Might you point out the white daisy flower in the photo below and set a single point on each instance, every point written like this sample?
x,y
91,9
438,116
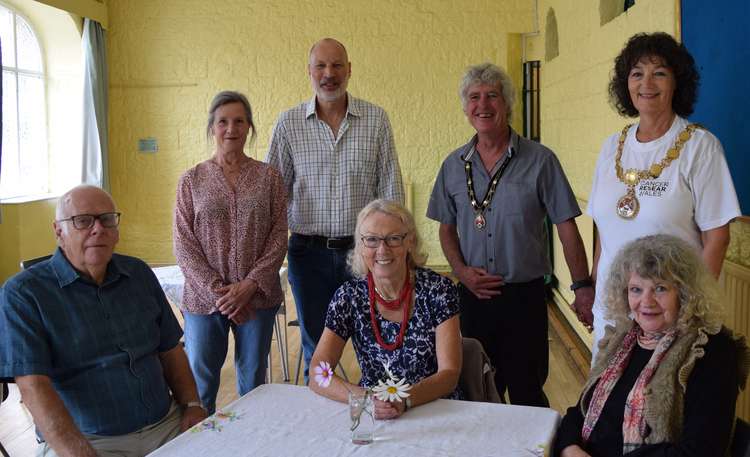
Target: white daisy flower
x,y
391,390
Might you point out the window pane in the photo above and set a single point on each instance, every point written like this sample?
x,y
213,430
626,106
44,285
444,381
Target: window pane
x,y
31,132
9,183
29,54
6,36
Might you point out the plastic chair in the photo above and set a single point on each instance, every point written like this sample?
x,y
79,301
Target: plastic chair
x,y
3,395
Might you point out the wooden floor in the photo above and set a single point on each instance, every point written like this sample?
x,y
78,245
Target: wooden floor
x,y
566,376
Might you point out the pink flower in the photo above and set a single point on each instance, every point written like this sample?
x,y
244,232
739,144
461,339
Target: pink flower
x,y
323,374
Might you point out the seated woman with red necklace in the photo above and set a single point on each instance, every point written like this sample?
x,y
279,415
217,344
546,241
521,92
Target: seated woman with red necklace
x,y
397,313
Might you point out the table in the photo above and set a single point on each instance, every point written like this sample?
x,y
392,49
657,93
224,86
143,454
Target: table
x,y
172,281
286,420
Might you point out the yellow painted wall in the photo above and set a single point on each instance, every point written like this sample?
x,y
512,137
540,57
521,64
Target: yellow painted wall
x,y
739,247
25,233
575,114
168,58
8,242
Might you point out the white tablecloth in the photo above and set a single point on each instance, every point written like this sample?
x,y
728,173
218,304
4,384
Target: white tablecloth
x,y
172,282
285,420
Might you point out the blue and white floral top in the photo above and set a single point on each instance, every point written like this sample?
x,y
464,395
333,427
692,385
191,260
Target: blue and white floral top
x,y
349,317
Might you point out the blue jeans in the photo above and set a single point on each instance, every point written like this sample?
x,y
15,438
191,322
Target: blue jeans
x,y
314,274
206,339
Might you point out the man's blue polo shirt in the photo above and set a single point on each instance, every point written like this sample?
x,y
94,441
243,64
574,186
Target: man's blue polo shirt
x,y
99,345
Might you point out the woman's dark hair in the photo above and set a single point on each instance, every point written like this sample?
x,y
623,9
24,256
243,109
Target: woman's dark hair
x,y
675,56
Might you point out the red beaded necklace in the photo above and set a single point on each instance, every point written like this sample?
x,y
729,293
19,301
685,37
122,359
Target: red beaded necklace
x,y
403,300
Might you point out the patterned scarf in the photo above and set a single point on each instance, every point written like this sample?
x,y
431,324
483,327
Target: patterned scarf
x,y
633,424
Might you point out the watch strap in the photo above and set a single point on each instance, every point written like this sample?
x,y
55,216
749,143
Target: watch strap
x,y
586,282
191,404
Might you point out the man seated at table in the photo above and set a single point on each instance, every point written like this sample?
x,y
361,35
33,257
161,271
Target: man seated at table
x,y
92,342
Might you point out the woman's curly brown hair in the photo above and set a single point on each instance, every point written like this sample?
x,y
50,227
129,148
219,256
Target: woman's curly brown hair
x,y
675,56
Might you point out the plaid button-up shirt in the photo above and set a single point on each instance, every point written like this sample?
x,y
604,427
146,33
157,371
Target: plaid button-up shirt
x,y
328,178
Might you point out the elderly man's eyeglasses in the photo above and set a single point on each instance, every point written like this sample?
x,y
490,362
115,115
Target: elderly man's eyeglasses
x,y
392,241
86,221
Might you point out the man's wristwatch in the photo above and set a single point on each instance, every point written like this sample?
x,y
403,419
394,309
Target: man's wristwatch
x,y
586,282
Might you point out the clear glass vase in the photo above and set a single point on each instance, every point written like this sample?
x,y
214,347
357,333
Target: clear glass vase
x,y
361,413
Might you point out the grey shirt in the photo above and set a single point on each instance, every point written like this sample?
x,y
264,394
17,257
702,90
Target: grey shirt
x,y
514,242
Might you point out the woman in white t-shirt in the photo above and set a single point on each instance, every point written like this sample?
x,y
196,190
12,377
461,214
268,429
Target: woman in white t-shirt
x,y
661,174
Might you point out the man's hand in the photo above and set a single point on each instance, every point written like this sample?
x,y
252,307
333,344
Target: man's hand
x,y
583,305
236,300
479,282
191,416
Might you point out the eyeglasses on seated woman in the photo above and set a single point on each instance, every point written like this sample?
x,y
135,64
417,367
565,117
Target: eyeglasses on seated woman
x,y
401,317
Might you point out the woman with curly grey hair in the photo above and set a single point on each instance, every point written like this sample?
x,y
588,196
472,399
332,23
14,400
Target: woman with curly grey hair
x,y
400,316
667,375
662,174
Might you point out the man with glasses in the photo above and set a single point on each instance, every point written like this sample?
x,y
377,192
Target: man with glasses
x,y
336,154
92,342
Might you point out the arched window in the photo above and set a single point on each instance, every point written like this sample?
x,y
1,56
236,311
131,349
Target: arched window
x,y
24,148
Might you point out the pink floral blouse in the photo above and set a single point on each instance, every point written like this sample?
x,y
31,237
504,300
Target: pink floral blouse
x,y
222,236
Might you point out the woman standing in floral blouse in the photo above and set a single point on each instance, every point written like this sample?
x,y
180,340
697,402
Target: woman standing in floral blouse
x,y
230,241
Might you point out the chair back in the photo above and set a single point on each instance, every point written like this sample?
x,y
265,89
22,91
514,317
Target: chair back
x,y
27,263
477,380
741,440
3,396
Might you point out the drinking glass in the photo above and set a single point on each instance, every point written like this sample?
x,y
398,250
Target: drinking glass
x,y
361,413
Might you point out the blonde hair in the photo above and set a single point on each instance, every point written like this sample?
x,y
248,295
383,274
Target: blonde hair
x,y
666,258
414,258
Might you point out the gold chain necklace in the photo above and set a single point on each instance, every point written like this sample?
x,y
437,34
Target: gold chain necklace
x,y
628,205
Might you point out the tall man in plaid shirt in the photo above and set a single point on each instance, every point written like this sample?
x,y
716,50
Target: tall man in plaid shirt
x,y
336,154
